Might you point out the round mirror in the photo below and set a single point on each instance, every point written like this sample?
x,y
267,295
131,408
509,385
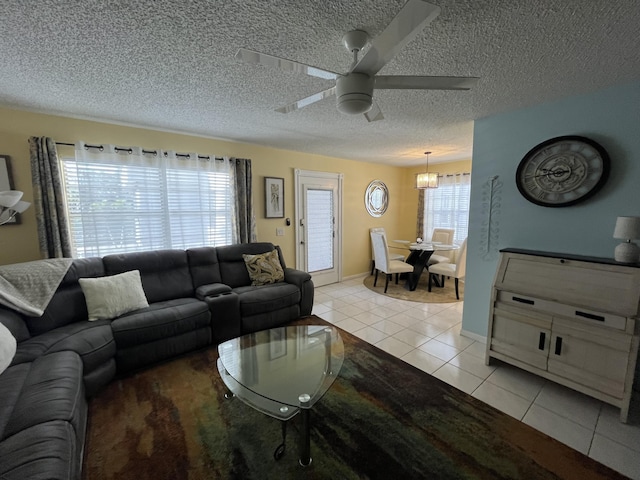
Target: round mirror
x,y
376,198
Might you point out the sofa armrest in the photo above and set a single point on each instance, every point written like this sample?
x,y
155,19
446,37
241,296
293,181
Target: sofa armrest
x,y
297,277
226,322
302,280
15,324
211,289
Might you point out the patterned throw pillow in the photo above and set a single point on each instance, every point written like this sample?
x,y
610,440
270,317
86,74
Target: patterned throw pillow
x,y
264,268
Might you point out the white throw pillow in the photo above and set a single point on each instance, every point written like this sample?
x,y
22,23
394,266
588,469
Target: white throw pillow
x,y
7,347
110,297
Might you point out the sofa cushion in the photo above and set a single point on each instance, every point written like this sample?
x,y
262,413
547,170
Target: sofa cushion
x,y
109,297
15,323
165,273
204,266
138,356
160,320
7,348
264,268
49,388
233,270
68,304
93,341
48,450
266,298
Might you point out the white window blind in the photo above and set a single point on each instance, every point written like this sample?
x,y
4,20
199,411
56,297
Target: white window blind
x,y
115,206
320,229
448,206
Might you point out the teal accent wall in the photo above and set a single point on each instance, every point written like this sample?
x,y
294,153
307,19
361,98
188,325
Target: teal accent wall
x,y
612,118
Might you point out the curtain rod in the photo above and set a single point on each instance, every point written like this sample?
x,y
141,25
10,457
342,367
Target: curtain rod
x,y
129,150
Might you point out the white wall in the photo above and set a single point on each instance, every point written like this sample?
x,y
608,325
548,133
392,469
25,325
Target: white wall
x,y
612,118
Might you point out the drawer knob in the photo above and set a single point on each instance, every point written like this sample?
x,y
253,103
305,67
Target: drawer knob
x,y
541,341
523,300
558,345
590,316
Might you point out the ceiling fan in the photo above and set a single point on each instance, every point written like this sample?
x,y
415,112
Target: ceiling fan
x,y
354,89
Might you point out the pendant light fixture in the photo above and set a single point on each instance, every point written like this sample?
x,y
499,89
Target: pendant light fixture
x,y
427,179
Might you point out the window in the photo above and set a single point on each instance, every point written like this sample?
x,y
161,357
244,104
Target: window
x,y
448,206
320,229
120,202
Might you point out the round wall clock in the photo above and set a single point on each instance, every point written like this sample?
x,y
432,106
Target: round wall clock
x,y
562,171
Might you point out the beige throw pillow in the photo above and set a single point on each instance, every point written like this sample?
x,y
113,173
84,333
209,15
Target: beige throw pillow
x,y
264,268
109,297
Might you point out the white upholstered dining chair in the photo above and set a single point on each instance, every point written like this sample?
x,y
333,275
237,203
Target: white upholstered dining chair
x,y
392,256
383,263
456,270
444,236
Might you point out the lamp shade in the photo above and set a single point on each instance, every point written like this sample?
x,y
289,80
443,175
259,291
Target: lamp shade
x,y
627,228
9,198
427,180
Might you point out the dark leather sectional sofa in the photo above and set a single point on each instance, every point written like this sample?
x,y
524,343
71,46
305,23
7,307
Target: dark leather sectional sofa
x,y
197,297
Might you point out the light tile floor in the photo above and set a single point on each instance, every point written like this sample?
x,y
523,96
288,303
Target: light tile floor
x,y
428,337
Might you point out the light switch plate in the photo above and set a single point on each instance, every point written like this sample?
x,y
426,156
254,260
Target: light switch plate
x,y
279,232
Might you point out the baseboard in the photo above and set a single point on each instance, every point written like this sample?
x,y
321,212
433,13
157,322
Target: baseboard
x,y
473,336
357,275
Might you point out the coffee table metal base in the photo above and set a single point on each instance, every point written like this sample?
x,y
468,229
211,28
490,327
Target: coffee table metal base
x,y
285,414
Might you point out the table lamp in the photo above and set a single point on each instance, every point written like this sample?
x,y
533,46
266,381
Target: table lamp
x,y
627,229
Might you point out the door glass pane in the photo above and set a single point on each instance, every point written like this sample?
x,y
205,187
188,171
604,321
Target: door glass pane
x,y
319,230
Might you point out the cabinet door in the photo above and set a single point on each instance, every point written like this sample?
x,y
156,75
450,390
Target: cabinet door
x,y
597,360
521,336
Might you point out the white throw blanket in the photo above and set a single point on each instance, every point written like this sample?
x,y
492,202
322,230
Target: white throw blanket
x,y
28,287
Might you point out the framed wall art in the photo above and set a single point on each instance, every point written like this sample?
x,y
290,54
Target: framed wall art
x,y
273,197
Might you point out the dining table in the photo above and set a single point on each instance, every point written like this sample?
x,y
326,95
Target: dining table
x,y
420,253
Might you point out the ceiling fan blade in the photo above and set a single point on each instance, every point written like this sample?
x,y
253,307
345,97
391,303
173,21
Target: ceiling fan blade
x,y
411,82
257,58
405,26
316,97
375,113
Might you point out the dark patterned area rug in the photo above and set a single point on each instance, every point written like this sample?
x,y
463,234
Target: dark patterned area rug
x,y
446,294
381,419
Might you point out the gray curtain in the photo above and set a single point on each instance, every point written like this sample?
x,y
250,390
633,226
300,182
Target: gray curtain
x,y
245,219
420,219
48,199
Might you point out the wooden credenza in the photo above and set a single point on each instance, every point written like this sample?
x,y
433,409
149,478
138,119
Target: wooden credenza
x,y
570,319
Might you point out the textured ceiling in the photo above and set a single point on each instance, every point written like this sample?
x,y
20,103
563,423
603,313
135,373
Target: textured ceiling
x,y
169,64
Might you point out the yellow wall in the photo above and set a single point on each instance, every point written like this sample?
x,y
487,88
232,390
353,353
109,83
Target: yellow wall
x,y
18,243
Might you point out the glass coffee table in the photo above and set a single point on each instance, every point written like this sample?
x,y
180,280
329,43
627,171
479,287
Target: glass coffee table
x,y
282,372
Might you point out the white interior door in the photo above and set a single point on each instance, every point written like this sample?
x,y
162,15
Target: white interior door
x,y
319,225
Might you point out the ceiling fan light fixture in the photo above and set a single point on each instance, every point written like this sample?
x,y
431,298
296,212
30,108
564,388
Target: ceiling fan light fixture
x,y
354,93
354,103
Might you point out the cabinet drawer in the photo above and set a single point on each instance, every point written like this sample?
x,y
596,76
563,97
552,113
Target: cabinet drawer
x,y
607,288
588,316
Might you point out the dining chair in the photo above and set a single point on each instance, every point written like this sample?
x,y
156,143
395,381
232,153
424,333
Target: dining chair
x,y
384,263
456,270
445,236
392,256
